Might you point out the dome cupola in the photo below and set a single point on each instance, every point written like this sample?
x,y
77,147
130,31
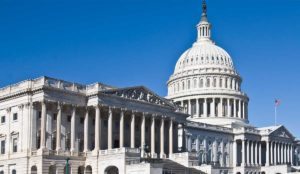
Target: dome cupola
x,y
205,82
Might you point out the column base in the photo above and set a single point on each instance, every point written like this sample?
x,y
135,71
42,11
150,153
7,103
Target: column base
x,y
154,155
59,151
163,156
42,150
95,152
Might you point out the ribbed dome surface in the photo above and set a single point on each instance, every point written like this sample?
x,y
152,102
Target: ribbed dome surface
x,y
204,54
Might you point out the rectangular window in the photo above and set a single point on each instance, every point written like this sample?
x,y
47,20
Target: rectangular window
x,y
15,116
3,119
3,147
15,145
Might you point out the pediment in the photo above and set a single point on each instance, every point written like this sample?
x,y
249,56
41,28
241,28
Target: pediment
x,y
140,93
282,132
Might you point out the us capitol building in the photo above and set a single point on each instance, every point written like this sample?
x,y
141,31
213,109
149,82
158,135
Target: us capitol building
x,y
50,126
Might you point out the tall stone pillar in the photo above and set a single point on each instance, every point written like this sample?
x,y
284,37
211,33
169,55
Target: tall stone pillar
x,y
58,127
213,107
205,107
243,113
248,152
97,128
271,150
234,153
153,154
73,129
234,108
43,126
292,155
256,153
162,139
240,109
252,152
221,108
110,127
228,108
259,154
121,128
143,142
267,153
281,152
197,107
243,152
215,151
86,131
190,108
132,131
170,138
288,154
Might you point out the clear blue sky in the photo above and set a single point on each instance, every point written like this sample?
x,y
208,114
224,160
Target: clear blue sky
x,y
137,42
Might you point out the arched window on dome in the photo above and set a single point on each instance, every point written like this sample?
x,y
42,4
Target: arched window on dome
x,y
213,59
201,83
230,84
215,82
195,83
208,82
177,86
189,84
182,86
221,83
226,81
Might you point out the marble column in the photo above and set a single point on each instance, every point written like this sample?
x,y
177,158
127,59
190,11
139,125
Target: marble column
x,y
162,139
243,152
259,154
252,152
248,153
110,129
132,131
43,126
205,107
234,153
256,152
58,127
292,155
190,107
86,131
228,108
278,153
240,107
221,108
97,128
281,153
271,149
171,137
234,108
143,138
213,108
288,153
243,114
153,154
267,153
197,107
121,128
73,129
215,151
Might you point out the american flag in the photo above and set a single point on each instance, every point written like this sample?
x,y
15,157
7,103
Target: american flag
x,y
277,102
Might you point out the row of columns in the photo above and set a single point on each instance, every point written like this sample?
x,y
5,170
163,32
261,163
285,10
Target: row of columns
x,y
280,153
219,107
98,130
251,153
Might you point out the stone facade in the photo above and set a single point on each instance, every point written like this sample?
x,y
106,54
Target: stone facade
x,y
53,126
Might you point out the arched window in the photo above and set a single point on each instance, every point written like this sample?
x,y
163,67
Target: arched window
x,y
195,83
215,83
207,82
189,84
14,171
226,80
201,83
221,83
177,86
182,86
1,172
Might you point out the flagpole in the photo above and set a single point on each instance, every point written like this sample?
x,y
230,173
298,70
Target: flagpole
x,y
275,115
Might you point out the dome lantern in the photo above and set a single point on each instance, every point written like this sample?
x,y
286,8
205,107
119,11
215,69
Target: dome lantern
x,y
204,27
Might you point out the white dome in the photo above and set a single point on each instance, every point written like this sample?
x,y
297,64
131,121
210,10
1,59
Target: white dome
x,y
204,54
